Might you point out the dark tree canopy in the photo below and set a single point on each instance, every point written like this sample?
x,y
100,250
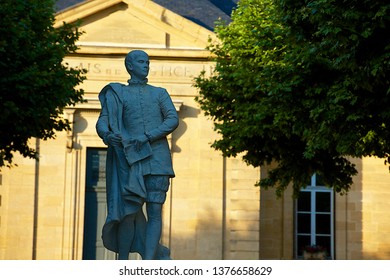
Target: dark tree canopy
x,y
303,85
35,84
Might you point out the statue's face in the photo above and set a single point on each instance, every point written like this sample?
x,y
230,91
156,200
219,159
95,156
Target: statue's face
x,y
140,66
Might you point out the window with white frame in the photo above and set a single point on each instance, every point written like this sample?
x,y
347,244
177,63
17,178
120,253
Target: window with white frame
x,y
314,214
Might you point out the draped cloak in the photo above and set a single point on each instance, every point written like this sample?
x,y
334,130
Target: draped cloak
x,y
124,180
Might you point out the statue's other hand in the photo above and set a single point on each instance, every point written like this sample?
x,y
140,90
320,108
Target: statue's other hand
x,y
140,141
114,139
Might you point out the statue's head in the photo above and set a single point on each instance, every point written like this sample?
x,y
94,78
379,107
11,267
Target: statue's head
x,y
137,64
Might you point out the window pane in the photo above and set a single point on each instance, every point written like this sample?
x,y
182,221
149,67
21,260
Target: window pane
x,y
304,201
302,241
304,223
323,224
324,241
322,201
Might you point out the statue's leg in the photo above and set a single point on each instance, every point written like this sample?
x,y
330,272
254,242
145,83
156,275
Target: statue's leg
x,y
153,229
125,237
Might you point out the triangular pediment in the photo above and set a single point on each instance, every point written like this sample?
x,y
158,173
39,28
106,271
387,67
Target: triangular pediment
x,y
134,24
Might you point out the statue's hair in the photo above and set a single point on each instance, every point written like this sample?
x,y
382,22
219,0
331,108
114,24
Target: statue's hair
x,y
131,56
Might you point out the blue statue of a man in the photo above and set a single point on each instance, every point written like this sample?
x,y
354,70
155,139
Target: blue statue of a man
x,y
134,123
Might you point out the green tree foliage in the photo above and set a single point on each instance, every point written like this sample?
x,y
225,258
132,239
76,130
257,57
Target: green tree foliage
x,y
302,84
35,84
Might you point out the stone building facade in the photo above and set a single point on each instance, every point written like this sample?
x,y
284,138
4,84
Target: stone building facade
x,y
54,208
